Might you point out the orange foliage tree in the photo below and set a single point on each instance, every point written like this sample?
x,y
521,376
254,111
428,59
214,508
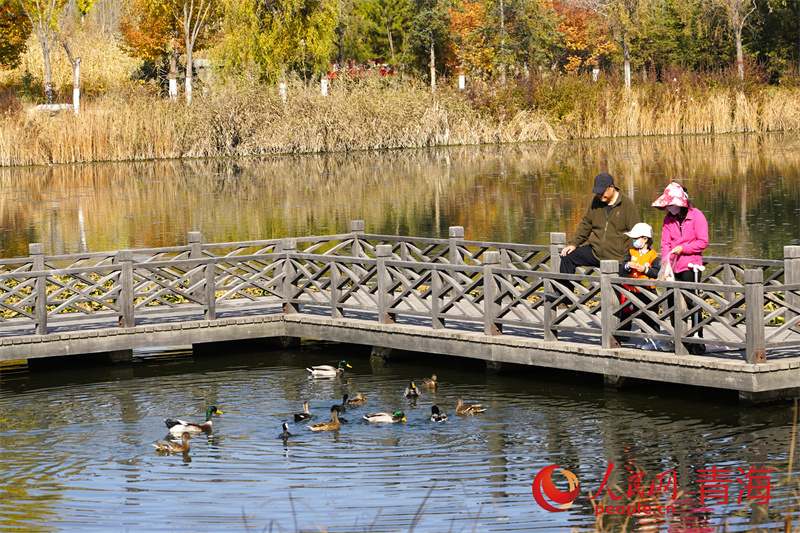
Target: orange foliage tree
x,y
586,40
468,50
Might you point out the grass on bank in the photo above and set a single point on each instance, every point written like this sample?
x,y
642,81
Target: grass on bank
x,y
135,123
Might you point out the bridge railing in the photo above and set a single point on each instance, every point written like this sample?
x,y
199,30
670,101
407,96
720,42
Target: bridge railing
x,y
748,305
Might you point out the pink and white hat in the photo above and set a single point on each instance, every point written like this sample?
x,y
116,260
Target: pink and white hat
x,y
673,195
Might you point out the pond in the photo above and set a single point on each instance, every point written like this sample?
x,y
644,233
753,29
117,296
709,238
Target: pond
x,y
77,455
75,444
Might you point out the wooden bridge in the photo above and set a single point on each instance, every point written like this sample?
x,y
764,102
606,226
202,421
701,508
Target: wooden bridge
x,y
483,300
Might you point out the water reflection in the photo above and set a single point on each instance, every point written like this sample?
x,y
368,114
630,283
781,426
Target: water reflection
x,y
748,186
77,455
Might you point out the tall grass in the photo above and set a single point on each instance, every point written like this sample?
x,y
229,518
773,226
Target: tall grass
x,y
132,123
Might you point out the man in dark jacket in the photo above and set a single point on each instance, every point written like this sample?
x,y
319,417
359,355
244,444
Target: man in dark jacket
x,y
601,232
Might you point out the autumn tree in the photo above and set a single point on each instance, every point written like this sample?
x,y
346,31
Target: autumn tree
x,y
194,16
43,16
277,36
626,20
15,27
151,33
736,13
584,39
470,53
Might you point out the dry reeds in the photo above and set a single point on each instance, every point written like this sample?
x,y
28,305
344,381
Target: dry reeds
x,y
369,114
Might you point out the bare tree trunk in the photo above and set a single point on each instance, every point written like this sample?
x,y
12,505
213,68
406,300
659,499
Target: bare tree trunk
x,y
389,33
48,75
739,52
433,67
626,53
76,70
502,43
173,75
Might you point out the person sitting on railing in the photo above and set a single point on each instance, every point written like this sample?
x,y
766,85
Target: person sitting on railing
x,y
601,232
641,261
684,236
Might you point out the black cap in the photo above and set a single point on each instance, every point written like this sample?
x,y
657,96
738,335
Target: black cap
x,y
602,182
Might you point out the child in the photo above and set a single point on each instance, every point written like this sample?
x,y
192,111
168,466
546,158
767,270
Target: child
x,y
641,261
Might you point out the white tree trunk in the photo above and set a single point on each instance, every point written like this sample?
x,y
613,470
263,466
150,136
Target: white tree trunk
x,y
433,67
739,53
76,88
627,57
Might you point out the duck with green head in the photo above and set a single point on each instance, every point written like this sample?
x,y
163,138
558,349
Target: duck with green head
x,y
177,426
377,418
327,371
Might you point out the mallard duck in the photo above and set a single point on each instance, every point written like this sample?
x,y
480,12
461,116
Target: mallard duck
x,y
411,391
177,426
397,416
327,371
174,447
430,383
334,424
436,416
343,406
358,400
285,435
462,409
305,415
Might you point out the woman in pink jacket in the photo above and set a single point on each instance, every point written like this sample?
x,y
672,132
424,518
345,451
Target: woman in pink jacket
x,y
684,236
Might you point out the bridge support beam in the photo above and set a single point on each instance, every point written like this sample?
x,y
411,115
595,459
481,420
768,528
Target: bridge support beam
x,y
494,367
747,398
380,354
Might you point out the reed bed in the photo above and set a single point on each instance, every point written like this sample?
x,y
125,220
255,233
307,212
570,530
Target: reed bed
x,y
134,124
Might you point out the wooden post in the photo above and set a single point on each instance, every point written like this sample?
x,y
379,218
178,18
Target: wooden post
x,y
437,320
491,260
456,236
608,299
383,253
557,242
548,313
754,316
211,290
126,304
336,279
791,276
357,229
36,251
288,247
679,324
195,239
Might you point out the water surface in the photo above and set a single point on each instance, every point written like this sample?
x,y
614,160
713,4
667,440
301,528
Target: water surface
x,y
76,452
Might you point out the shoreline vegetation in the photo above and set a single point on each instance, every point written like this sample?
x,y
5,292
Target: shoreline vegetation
x,y
378,113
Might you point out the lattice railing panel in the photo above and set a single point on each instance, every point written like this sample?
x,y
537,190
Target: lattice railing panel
x,y
83,292
249,278
520,299
168,285
409,294
17,296
782,316
462,293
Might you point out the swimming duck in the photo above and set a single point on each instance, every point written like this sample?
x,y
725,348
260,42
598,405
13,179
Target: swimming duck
x,y
305,415
436,416
397,416
334,424
411,391
177,426
285,435
358,400
430,383
327,371
343,406
462,409
174,447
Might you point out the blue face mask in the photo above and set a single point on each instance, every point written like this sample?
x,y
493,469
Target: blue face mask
x,y
639,243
